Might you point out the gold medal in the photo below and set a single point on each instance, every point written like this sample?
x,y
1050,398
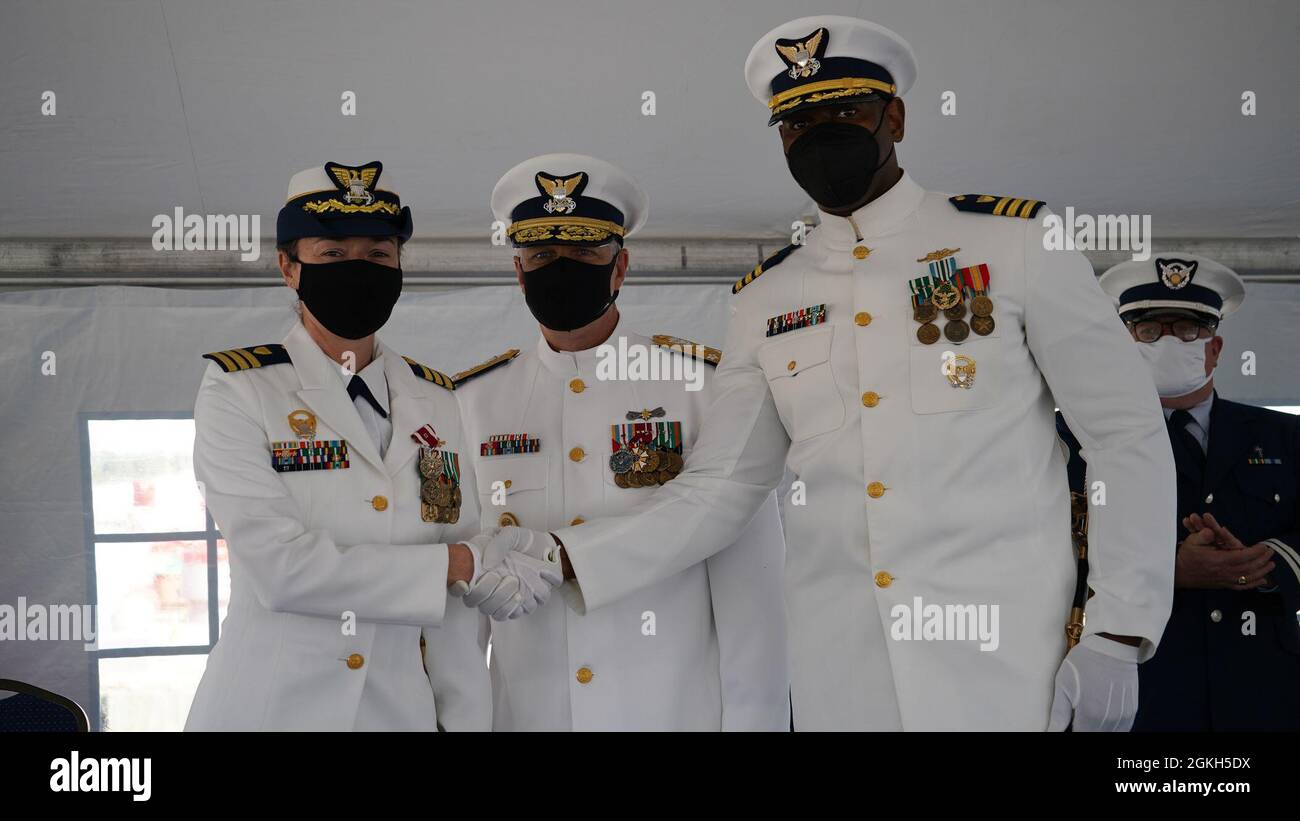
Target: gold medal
x,y
957,311
652,461
675,462
928,333
956,331
982,325
442,514
945,295
925,312
665,476
431,463
433,493
621,480
981,306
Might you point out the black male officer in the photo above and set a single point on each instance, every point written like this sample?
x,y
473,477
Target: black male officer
x,y
1230,655
904,362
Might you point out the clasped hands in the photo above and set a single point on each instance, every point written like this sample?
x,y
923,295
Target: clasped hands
x,y
515,570
1212,558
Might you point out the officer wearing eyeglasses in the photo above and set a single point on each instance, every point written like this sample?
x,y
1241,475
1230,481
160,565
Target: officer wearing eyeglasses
x,y
1230,655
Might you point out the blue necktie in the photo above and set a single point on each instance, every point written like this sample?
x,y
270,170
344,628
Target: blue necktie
x,y
358,387
1178,422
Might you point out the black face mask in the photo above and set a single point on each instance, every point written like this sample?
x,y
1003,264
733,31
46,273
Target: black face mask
x,y
352,298
565,294
836,162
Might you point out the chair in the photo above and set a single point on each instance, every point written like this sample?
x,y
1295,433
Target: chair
x,y
36,710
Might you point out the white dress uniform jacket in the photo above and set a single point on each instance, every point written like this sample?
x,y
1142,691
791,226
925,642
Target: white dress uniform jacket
x,y
308,548
921,493
704,649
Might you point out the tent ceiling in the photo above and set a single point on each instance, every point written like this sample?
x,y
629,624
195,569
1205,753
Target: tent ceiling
x,y
1108,106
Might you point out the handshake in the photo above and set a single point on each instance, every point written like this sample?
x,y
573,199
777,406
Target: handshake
x,y
514,572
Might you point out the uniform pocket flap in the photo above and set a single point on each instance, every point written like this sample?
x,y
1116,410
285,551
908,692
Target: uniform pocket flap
x,y
795,353
521,472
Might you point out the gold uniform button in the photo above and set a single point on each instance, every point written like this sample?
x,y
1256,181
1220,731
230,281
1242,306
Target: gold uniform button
x,y
576,454
875,490
508,519
790,365
584,675
508,484
356,661
577,520
577,386
883,579
862,318
871,399
379,503
861,252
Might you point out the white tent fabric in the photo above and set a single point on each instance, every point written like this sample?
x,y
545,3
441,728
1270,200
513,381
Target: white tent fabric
x,y
1108,106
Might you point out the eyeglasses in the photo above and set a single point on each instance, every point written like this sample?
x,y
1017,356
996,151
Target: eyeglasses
x,y
1188,330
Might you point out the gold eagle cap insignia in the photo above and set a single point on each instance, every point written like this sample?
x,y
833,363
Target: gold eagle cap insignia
x,y
357,183
559,188
802,55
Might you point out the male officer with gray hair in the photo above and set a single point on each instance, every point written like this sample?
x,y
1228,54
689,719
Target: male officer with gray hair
x,y
563,434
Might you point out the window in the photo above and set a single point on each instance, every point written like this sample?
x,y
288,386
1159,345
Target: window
x,y
158,571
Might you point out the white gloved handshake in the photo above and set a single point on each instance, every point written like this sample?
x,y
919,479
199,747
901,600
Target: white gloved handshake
x,y
514,572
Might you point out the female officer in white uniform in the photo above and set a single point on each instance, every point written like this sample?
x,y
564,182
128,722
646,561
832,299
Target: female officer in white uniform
x,y
332,466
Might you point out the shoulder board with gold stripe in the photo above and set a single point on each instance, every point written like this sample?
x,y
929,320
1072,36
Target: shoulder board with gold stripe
x,y
997,206
245,359
767,264
428,374
478,370
692,349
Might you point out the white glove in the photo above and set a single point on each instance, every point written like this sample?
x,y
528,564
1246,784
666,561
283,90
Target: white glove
x,y
520,569
1097,687
476,545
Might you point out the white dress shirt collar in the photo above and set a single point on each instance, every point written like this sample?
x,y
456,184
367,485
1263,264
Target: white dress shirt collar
x,y
884,215
1200,427
573,363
